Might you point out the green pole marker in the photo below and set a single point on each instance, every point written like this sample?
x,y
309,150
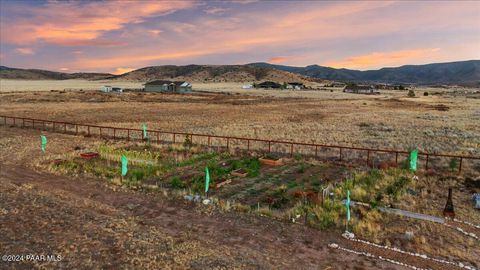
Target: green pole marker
x,y
44,143
413,160
347,205
144,131
207,179
124,165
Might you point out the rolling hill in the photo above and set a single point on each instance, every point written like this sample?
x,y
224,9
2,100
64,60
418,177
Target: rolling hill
x,y
212,73
463,72
39,74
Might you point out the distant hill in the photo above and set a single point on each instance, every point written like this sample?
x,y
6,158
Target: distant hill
x,y
212,73
39,74
463,72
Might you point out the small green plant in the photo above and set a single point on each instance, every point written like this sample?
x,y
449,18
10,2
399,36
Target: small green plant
x,y
301,168
453,165
411,93
176,182
187,143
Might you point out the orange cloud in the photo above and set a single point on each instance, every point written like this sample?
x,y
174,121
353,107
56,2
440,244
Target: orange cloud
x,y
382,59
77,23
25,51
122,70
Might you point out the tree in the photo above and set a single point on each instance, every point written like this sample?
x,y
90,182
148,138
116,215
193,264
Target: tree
x,y
411,93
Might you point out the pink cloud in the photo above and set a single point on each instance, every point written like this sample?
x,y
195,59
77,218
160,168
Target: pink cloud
x,y
77,23
383,59
214,10
25,51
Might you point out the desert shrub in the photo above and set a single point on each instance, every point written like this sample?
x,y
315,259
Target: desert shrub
x,y
363,124
301,168
328,215
196,158
198,184
369,225
136,174
453,164
187,143
411,93
176,182
397,186
425,94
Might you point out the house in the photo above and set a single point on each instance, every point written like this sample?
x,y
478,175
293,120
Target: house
x,y
268,84
295,85
108,89
247,86
168,86
360,89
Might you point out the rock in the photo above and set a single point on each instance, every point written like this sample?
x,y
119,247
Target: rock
x,y
206,201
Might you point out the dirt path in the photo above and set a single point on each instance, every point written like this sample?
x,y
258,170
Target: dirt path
x,y
93,226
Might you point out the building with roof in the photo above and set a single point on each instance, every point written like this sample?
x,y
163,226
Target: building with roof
x,y
168,86
268,84
360,89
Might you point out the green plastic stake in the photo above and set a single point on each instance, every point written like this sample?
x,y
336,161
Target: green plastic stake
x,y
413,160
207,179
347,206
44,143
124,165
145,131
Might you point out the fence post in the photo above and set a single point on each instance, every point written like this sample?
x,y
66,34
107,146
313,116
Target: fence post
x,y
76,129
173,137
248,145
64,127
228,142
340,154
158,137
396,158
291,150
100,132
128,134
5,120
88,129
269,147
14,121
316,151
33,123
53,126
460,166
23,122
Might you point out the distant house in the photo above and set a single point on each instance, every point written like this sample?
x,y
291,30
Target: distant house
x,y
168,86
360,89
295,85
268,84
247,86
108,88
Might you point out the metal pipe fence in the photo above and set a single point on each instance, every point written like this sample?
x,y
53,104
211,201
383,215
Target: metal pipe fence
x,y
354,155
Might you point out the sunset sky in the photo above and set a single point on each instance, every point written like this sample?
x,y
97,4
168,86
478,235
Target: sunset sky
x,y
108,36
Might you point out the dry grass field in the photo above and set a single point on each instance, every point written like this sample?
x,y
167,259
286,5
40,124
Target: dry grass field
x,y
444,121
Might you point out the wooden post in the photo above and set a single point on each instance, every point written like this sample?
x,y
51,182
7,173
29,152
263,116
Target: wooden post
x,y
114,133
64,127
33,123
100,132
208,141
14,121
268,146
340,154
88,129
128,134
248,145
23,122
291,150
76,129
228,142
316,151
158,138
460,166
173,137
396,158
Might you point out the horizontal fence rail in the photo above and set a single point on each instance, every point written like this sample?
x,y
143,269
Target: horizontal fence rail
x,y
367,156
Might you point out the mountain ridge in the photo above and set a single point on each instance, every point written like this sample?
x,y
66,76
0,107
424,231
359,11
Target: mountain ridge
x,y
459,72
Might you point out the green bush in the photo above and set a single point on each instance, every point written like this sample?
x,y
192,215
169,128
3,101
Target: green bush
x,y
176,182
453,164
411,93
425,94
